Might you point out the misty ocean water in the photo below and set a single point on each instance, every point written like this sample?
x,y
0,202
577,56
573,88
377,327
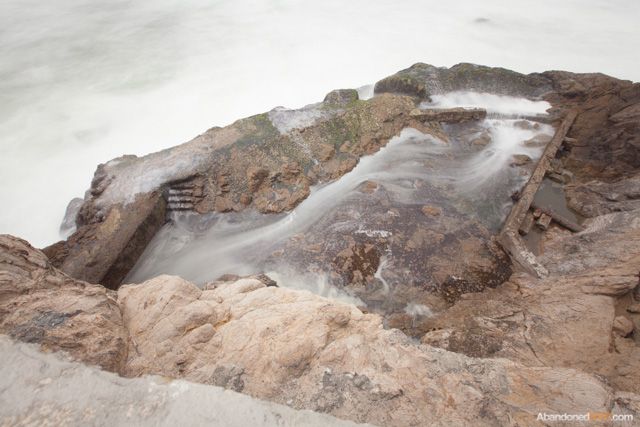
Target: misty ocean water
x,y
84,81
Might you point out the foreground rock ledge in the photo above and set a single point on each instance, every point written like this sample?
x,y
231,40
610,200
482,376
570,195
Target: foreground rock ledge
x,y
299,349
91,397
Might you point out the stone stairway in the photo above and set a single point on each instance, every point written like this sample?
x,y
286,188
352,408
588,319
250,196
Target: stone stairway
x,y
184,195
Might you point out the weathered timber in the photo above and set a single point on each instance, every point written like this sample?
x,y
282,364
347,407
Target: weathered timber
x,y
509,237
544,221
560,219
527,224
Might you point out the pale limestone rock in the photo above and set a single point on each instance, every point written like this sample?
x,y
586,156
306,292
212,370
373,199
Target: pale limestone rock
x,y
292,346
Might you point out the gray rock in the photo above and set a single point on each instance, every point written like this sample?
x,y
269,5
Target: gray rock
x,y
45,389
341,96
68,225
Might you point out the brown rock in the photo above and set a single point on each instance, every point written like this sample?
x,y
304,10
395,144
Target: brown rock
x,y
289,346
39,304
255,177
540,140
483,140
564,319
622,326
341,96
520,160
103,251
449,115
431,210
368,187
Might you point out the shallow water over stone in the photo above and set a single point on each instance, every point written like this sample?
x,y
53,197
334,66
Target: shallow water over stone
x,y
417,215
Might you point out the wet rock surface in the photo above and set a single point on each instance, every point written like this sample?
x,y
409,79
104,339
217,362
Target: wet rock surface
x,y
265,162
568,319
423,80
389,233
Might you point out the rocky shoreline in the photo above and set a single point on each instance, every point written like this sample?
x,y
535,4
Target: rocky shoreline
x,y
498,345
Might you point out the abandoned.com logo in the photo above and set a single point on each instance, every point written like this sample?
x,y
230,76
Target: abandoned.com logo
x,y
588,416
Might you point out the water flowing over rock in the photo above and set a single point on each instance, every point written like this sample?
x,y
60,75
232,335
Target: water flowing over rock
x,y
390,210
424,80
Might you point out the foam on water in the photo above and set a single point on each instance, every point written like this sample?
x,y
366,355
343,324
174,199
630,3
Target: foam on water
x,y
496,104
507,140
286,120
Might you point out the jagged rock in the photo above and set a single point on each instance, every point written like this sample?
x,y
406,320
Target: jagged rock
x,y
298,348
106,246
295,149
562,320
606,128
39,304
31,395
341,96
622,326
301,349
594,198
295,347
634,308
286,345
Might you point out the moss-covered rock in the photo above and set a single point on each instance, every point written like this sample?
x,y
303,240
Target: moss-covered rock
x,y
422,80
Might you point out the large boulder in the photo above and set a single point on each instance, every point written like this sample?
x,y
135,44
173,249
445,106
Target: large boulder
x,y
297,348
39,304
422,80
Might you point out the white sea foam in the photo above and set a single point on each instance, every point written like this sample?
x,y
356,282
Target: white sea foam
x,y
498,104
414,309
